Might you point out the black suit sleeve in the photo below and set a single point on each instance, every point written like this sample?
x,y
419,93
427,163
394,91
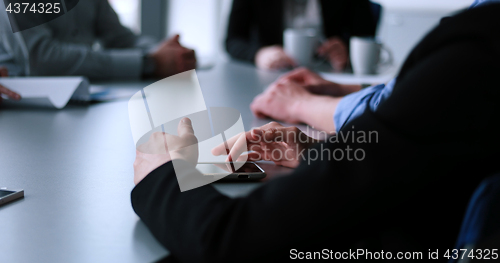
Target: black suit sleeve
x,y
319,204
202,225
254,24
239,42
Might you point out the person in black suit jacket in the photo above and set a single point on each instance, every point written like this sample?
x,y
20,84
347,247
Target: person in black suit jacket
x,y
436,139
255,30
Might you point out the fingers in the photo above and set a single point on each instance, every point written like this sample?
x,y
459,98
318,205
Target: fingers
x,y
252,138
239,147
185,128
261,146
221,148
224,166
336,51
273,57
296,75
301,76
271,142
286,83
256,106
185,136
280,134
174,39
287,61
338,62
282,60
284,86
275,152
186,59
276,64
338,65
253,156
162,143
188,54
11,94
330,46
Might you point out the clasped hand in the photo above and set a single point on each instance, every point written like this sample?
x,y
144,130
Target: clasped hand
x,y
3,90
163,147
271,142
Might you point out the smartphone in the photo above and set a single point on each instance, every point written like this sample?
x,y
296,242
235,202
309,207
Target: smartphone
x,y
7,195
248,171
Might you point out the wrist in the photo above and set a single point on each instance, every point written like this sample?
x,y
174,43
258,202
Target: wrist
x,y
300,108
318,112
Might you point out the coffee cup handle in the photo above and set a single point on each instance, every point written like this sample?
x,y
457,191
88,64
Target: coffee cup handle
x,y
389,58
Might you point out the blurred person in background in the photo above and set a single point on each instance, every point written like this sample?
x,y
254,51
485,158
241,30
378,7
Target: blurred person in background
x,y
302,96
255,30
67,46
13,55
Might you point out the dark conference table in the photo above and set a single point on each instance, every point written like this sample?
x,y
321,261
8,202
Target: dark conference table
x,y
75,166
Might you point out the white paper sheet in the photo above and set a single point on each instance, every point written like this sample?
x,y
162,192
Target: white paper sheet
x,y
54,92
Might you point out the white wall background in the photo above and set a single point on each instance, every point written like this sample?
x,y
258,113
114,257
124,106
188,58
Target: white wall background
x,y
202,23
197,23
129,13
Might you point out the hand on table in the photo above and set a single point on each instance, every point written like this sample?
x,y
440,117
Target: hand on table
x,y
271,142
281,101
3,90
273,57
318,85
163,147
335,50
290,99
172,58
312,82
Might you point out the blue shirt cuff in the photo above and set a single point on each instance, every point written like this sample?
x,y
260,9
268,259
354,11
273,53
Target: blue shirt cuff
x,y
356,103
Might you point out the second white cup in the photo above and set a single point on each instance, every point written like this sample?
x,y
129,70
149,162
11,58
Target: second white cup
x,y
365,55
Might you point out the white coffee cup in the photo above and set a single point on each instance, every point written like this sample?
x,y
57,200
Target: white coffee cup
x,y
300,44
365,55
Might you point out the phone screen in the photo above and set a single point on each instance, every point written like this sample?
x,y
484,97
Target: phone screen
x,y
219,168
4,193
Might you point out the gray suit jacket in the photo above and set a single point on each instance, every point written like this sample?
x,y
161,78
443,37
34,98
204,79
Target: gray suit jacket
x,y
13,51
64,46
